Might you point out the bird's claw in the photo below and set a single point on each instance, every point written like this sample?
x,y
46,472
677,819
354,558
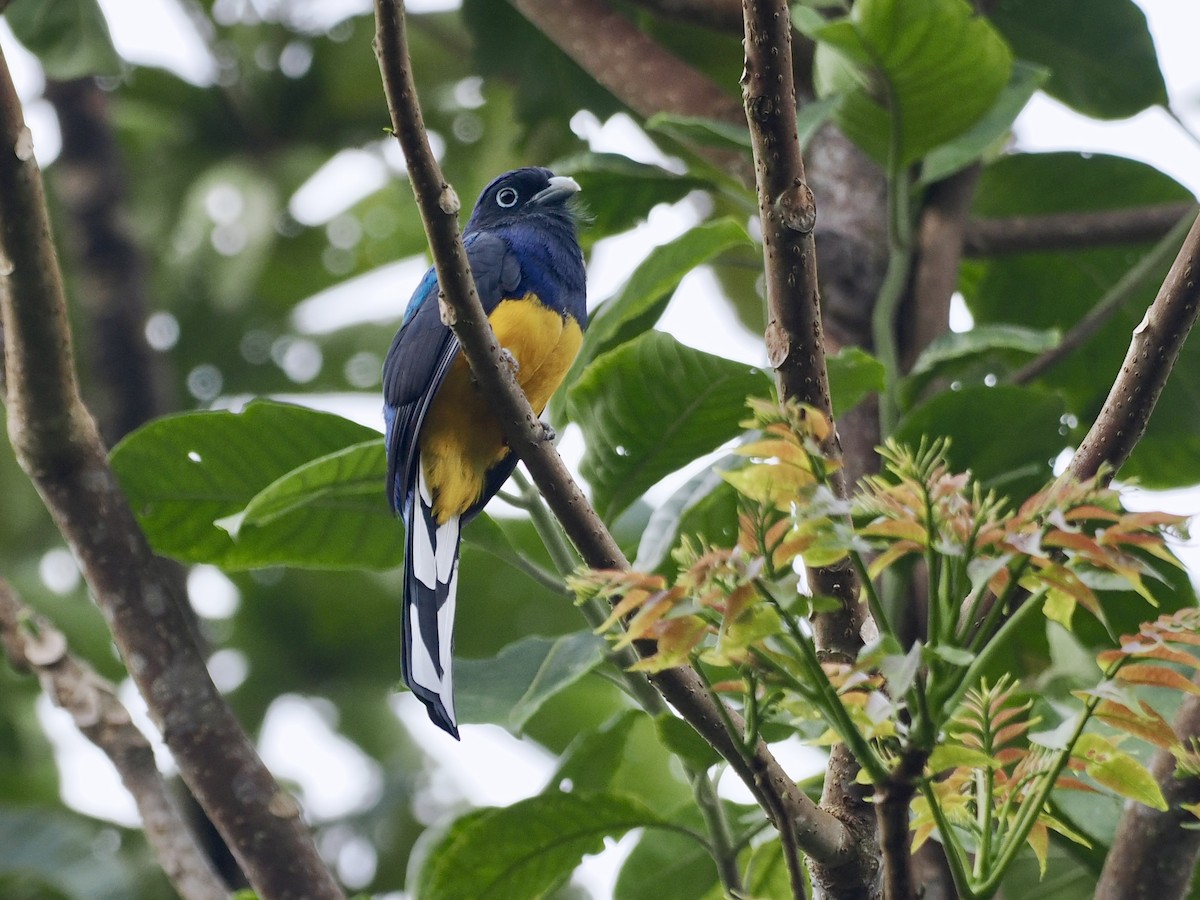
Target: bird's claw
x,y
549,435
510,359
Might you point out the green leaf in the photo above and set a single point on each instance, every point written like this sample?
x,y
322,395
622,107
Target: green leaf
x,y
1050,289
1005,435
681,739
929,68
971,355
954,756
1118,771
696,130
618,193
991,132
1103,64
664,526
593,759
183,473
853,374
641,300
70,38
525,850
651,406
59,851
668,865
511,687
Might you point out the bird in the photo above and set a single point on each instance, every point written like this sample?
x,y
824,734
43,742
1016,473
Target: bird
x,y
446,451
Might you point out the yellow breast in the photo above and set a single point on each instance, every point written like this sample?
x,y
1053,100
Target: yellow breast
x,y
461,438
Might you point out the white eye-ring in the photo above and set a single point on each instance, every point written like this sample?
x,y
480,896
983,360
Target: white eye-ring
x,y
507,197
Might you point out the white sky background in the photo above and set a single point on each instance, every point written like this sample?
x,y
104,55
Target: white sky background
x,y
489,766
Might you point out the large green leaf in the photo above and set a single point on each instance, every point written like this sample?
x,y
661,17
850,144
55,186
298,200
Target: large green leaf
x,y
593,759
853,374
923,71
641,300
668,865
510,688
1054,289
651,406
1007,436
1100,53
69,37
183,473
527,849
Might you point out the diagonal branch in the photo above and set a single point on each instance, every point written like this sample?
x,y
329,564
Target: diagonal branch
x,y
719,15
34,645
1152,354
820,834
796,349
58,446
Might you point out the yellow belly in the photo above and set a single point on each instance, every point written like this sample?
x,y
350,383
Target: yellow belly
x,y
461,438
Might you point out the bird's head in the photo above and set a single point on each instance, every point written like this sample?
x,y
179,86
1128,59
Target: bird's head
x,y
525,195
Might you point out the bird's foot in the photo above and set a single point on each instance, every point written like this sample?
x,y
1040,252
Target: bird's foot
x,y
510,359
549,435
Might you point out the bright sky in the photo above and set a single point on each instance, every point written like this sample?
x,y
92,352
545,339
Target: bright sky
x,y
334,776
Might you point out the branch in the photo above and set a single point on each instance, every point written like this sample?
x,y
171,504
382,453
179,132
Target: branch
x,y
57,445
637,70
1108,305
34,645
1152,353
820,834
1071,231
796,349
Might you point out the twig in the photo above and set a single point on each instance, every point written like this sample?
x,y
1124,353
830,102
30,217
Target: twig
x,y
892,802
1071,231
1152,353
57,444
822,835
796,350
1110,304
33,644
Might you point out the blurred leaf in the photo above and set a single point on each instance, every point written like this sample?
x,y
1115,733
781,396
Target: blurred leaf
x,y
853,374
991,132
985,349
69,37
184,472
641,300
618,193
651,406
681,739
1118,771
527,849
667,865
663,528
931,68
591,762
1103,64
1051,289
703,132
1007,436
509,689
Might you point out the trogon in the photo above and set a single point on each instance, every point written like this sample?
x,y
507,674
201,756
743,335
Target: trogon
x,y
446,451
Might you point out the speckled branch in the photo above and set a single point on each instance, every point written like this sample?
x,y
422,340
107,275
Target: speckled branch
x,y
819,834
1071,231
58,446
796,349
32,644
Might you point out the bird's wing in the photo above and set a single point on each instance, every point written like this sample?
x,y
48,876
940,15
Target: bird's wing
x,y
423,350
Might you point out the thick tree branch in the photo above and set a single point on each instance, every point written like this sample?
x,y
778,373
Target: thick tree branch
x,y
34,645
58,446
637,70
1152,354
1071,231
821,835
796,349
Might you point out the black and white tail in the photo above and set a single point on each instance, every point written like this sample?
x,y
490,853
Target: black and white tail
x,y
430,589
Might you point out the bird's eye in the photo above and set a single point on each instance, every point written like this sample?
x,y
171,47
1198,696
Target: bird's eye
x,y
507,197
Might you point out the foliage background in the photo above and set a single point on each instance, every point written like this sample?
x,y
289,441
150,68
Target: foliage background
x,y
234,248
